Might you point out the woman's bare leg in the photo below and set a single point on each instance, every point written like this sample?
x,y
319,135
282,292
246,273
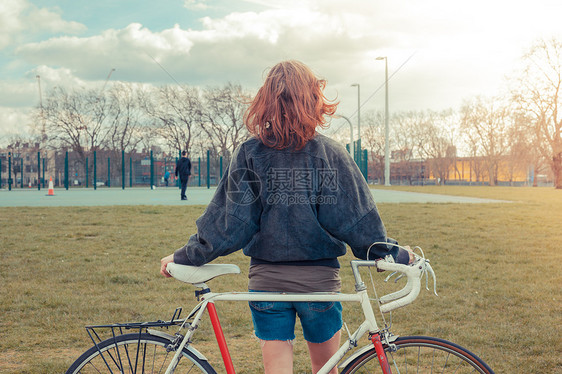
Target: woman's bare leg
x,y
320,353
277,356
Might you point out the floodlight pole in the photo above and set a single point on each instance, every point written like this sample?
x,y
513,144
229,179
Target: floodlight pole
x,y
386,125
358,123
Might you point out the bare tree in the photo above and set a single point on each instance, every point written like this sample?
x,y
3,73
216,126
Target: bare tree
x,y
538,96
176,112
425,137
471,140
522,153
486,122
373,140
75,120
126,123
126,118
438,143
409,131
407,137
223,117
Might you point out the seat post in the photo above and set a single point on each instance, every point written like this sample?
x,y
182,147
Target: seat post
x,y
204,289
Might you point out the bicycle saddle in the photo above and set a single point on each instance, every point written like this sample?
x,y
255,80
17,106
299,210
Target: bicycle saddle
x,y
200,274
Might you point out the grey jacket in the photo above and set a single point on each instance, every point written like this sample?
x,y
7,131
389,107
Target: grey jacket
x,y
290,207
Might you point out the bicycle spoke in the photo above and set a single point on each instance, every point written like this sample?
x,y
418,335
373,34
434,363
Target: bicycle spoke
x,y
126,349
433,360
108,352
394,362
120,367
418,366
94,366
120,364
144,358
446,361
163,362
154,355
132,369
142,353
458,366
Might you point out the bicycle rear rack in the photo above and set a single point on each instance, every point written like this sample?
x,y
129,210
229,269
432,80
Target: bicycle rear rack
x,y
98,332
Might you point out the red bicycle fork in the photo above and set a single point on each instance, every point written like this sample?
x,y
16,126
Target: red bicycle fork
x,y
385,366
217,328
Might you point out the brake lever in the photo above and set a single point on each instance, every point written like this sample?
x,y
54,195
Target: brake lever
x,y
429,270
397,278
420,261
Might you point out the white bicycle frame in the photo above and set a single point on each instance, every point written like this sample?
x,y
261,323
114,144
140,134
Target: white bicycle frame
x,y
387,303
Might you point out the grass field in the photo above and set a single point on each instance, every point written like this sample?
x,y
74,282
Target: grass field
x,y
499,271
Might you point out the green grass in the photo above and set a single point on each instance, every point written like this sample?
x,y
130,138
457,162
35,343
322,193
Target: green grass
x,y
498,265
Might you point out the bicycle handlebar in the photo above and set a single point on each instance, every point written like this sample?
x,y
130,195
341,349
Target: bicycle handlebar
x,y
414,272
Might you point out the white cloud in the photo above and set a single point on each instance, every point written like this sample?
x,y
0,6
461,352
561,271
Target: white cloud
x,y
63,77
19,18
19,93
128,50
196,4
42,19
25,93
459,49
234,47
13,122
9,21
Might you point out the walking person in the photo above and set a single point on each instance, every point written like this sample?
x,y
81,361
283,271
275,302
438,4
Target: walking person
x,y
291,198
183,171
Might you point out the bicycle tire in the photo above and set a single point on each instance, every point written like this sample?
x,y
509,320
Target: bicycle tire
x,y
420,354
144,353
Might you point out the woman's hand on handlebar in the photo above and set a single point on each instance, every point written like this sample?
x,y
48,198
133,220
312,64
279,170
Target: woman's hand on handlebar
x,y
411,254
163,263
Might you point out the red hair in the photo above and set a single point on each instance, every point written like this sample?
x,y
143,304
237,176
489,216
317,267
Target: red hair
x,y
289,106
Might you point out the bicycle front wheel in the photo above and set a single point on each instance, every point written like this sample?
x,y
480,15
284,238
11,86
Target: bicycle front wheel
x,y
421,354
136,353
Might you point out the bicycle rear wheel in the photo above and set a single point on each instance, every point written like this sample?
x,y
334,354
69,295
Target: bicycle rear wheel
x,y
421,354
136,353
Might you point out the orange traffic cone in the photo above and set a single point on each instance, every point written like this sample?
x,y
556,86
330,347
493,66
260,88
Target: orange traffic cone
x,y
51,188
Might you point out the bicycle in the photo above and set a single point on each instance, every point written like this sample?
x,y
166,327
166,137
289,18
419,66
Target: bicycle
x,y
150,350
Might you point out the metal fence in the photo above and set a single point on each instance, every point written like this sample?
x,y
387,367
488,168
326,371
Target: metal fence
x,y
34,168
104,169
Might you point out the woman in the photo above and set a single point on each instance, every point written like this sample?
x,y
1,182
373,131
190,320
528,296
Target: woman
x,y
290,199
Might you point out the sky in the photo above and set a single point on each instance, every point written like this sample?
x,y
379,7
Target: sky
x,y
439,52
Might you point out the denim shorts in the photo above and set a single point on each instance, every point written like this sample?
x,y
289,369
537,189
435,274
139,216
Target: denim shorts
x,y
275,320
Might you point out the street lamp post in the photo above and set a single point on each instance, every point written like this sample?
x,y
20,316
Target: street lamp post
x,y
43,134
386,126
351,145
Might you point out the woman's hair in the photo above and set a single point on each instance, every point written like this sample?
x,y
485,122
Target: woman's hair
x,y
289,106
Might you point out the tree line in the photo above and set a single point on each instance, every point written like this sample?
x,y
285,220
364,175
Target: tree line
x,y
522,126
134,118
